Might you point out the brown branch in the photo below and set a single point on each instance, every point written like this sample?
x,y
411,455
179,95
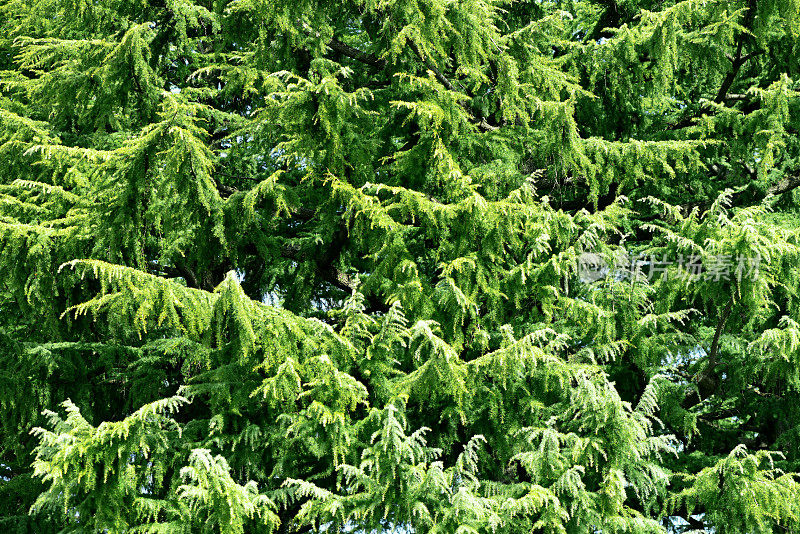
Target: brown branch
x,y
356,54
706,379
226,191
432,67
753,54
787,184
737,62
712,357
187,274
728,80
753,195
300,212
739,59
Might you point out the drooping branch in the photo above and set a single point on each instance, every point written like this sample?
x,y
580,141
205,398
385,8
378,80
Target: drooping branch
x,y
378,63
481,121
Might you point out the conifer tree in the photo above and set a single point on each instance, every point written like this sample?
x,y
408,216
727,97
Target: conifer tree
x,y
446,266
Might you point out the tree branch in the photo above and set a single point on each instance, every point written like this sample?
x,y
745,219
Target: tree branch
x,y
737,62
706,379
324,267
609,19
187,274
431,66
482,123
356,54
327,272
787,184
712,357
749,193
720,414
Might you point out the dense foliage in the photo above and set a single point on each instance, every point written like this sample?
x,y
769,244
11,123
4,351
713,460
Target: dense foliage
x,y
457,266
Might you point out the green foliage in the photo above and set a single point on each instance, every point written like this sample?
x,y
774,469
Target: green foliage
x,y
321,266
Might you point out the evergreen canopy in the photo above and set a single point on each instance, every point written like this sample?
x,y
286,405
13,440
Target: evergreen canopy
x,y
295,266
